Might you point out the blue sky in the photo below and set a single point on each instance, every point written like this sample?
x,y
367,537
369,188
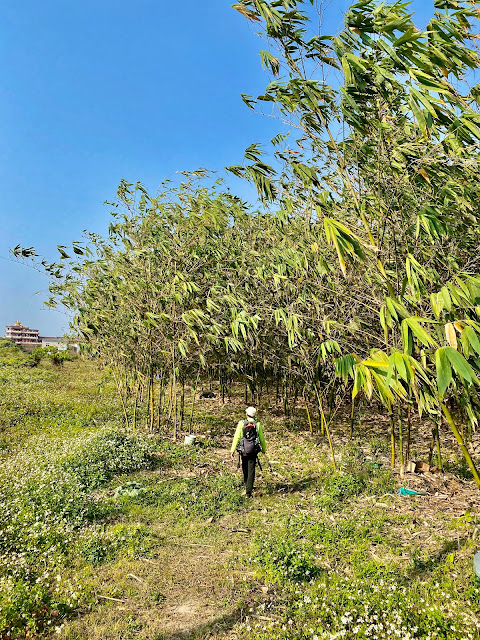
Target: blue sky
x,y
101,90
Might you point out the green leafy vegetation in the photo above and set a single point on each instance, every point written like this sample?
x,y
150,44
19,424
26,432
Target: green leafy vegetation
x,y
383,609
347,306
94,516
356,278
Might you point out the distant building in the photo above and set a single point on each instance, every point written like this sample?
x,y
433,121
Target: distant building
x,y
23,336
60,343
30,339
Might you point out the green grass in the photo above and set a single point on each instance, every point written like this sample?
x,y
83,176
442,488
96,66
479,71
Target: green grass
x,y
315,554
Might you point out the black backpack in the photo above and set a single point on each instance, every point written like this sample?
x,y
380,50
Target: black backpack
x,y
249,442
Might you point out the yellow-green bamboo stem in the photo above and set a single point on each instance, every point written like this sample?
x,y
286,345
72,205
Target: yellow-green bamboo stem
x,y
409,428
161,398
352,418
194,391
152,397
325,427
174,406
170,398
119,389
400,440
134,419
439,451
308,416
460,441
392,438
329,441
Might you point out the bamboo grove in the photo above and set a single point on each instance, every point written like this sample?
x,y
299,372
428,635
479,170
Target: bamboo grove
x,y
359,272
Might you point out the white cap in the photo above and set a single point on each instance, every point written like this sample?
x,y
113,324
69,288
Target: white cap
x,y
251,411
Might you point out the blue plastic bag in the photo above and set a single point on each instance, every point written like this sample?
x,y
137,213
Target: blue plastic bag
x,y
408,492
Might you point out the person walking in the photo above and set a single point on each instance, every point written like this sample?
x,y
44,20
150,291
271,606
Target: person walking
x,y
248,441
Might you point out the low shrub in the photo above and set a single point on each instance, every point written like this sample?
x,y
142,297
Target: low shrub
x,y
339,488
32,608
284,560
110,453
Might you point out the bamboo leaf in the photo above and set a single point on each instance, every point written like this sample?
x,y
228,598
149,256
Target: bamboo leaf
x,y
436,302
269,61
472,338
406,337
419,332
420,118
444,371
447,300
460,365
451,335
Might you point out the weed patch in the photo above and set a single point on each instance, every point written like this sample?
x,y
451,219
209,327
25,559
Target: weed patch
x,y
283,560
340,488
385,609
108,454
46,502
98,545
214,496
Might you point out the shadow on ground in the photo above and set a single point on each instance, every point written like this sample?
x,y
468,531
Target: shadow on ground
x,y
424,565
219,624
290,487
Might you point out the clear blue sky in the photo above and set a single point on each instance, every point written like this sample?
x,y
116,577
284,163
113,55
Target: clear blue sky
x,y
100,90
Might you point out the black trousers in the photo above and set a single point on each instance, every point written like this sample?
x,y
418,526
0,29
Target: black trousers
x,y
248,467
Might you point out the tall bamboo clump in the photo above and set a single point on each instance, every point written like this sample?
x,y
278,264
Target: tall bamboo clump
x,y
358,272
387,163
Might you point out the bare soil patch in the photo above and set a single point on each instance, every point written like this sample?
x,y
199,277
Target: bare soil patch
x,y
188,588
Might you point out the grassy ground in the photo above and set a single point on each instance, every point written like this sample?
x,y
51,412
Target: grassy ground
x,y
107,535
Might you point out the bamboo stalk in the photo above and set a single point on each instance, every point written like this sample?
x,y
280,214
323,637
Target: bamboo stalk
x,y
392,437
170,397
161,397
325,426
409,428
135,404
431,447
193,402
352,418
182,406
147,414
460,441
331,399
439,451
174,387
122,400
152,397
400,440
308,416
329,441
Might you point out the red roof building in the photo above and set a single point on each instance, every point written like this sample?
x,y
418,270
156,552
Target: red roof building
x,y
22,335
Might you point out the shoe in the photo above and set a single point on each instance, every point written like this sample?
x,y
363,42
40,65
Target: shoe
x,y
249,495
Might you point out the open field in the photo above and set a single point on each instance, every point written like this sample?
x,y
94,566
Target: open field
x,y
112,535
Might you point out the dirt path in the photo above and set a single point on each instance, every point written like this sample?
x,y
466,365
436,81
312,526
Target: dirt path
x,y
188,591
